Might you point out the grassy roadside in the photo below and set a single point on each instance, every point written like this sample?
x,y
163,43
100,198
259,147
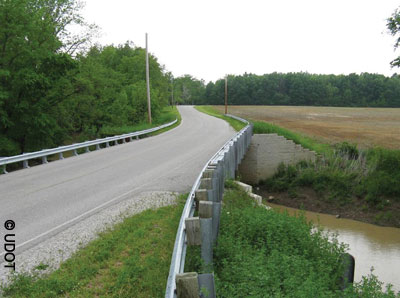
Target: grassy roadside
x,y
264,253
168,114
131,260
236,124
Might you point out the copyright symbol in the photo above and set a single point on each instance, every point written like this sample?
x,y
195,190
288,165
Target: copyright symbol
x,y
9,225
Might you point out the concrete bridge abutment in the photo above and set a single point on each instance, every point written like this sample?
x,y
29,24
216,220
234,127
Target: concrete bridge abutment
x,y
266,152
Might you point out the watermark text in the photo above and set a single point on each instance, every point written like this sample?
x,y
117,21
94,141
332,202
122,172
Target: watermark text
x,y
9,244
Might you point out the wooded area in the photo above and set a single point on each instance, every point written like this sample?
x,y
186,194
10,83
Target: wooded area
x,y
298,89
51,90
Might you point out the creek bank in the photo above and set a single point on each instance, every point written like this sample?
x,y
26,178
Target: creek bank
x,y
354,208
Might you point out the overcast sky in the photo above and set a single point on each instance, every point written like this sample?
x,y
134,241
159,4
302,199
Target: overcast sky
x,y
211,38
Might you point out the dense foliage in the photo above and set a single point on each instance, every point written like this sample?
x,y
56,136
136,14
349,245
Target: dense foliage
x,y
49,92
304,89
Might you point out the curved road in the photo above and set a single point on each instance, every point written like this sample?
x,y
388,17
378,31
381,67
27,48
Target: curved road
x,y
44,200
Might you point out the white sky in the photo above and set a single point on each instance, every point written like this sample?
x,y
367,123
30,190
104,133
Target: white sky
x,y
211,38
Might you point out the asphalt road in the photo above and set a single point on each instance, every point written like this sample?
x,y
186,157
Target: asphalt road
x,y
46,199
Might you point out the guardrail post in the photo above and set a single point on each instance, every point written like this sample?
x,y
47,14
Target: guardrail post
x,y
5,169
123,141
193,235
206,242
137,137
25,164
200,195
216,218
187,285
97,146
60,156
116,142
207,285
107,144
87,149
75,153
205,183
44,159
205,209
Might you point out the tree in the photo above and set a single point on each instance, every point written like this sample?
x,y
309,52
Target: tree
x,y
34,60
393,24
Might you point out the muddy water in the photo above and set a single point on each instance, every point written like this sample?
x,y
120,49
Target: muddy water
x,y
371,246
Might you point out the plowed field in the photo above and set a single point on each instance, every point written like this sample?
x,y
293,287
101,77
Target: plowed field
x,y
368,127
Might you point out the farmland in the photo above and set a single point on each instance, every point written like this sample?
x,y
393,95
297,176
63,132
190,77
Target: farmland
x,y
367,127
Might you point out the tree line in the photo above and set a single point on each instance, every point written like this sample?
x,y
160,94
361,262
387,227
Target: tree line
x,y
299,89
54,85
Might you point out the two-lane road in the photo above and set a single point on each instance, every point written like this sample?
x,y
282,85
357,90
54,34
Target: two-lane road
x,y
47,199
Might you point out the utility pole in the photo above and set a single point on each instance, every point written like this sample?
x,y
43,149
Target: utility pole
x,y
148,81
172,93
226,94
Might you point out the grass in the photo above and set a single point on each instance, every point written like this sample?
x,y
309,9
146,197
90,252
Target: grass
x,y
264,253
167,115
131,260
236,124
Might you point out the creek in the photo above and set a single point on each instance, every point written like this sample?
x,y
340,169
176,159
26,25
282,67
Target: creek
x,y
371,245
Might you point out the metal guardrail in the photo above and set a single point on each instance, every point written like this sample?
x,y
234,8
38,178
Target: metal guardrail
x,y
224,163
59,150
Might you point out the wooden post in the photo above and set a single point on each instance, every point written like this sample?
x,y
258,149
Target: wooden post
x,y
206,183
205,209
148,82
200,195
208,173
193,233
226,94
187,285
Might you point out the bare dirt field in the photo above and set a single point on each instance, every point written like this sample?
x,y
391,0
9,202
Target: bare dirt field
x,y
367,127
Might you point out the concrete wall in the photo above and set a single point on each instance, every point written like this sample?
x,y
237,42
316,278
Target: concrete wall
x,y
266,152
